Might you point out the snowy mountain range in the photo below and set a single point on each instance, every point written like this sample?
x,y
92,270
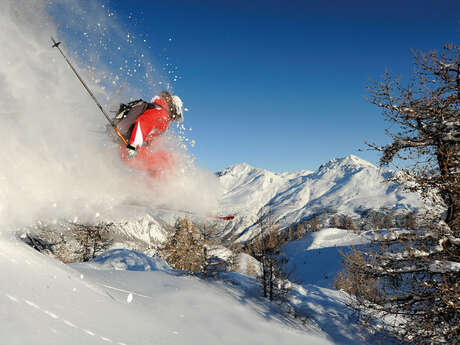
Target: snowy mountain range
x,y
347,186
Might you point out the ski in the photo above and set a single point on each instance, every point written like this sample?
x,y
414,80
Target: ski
x,y
177,210
217,217
225,217
170,209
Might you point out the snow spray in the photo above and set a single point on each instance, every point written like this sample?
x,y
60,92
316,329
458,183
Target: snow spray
x,y
57,162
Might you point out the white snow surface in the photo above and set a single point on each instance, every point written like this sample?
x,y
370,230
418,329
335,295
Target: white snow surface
x,y
343,185
127,260
45,302
315,259
126,297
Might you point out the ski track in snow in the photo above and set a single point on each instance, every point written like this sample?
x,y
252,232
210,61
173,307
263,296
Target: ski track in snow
x,y
125,291
52,315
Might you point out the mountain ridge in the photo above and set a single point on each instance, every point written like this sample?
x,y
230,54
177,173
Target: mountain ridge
x,y
347,185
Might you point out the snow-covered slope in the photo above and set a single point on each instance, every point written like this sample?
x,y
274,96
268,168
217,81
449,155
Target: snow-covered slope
x,y
316,259
45,302
347,185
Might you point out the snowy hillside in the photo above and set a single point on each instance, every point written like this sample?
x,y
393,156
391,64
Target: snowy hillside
x,y
45,302
347,186
315,259
124,298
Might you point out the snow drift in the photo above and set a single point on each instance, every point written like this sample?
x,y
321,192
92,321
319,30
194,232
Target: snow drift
x,y
45,302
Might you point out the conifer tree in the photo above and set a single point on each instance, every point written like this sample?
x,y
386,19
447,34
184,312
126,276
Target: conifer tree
x,y
184,248
349,225
266,249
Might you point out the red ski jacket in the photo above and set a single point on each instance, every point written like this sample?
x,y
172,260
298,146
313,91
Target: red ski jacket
x,y
151,123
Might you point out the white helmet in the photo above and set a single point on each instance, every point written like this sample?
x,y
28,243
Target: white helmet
x,y
178,109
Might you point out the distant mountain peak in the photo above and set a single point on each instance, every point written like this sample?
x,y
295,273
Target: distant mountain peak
x,y
352,159
242,166
236,169
357,160
348,163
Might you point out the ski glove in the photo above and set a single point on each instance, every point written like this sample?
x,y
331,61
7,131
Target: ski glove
x,y
132,152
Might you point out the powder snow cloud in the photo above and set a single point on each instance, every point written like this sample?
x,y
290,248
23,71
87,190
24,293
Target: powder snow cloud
x,y
57,162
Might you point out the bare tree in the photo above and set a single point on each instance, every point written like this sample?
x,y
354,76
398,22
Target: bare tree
x,y
92,239
333,222
300,230
377,221
387,221
208,240
291,233
314,224
251,269
348,223
71,242
236,249
428,127
266,249
410,221
338,221
416,275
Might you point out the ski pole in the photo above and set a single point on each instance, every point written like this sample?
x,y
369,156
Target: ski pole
x,y
56,45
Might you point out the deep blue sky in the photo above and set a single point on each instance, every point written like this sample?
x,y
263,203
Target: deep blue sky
x,y
281,84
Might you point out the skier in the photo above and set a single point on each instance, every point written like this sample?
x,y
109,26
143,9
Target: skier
x,y
143,123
